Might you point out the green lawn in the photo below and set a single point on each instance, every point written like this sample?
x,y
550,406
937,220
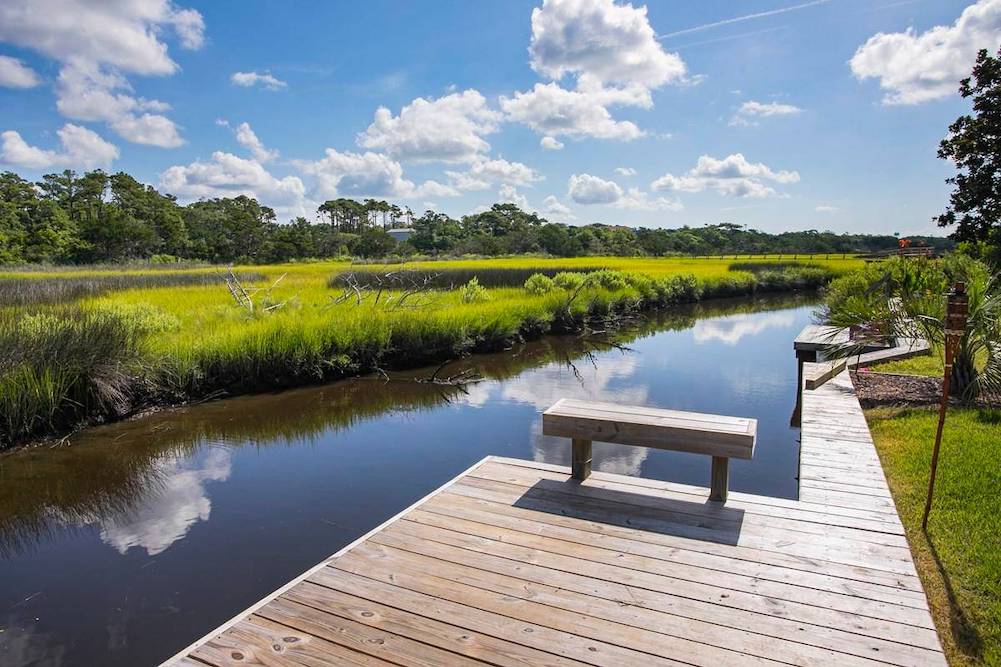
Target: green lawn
x,y
926,364
960,559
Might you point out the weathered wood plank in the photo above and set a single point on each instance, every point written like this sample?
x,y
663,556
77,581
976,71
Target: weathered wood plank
x,y
512,564
714,435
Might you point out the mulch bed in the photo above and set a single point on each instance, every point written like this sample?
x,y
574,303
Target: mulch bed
x,y
892,390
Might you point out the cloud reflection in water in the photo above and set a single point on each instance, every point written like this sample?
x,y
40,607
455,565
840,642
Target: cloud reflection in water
x,y
730,330
166,515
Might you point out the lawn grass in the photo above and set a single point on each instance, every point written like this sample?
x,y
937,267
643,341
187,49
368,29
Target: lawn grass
x,y
932,365
959,561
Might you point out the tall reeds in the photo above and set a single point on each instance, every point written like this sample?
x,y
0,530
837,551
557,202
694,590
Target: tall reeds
x,y
33,291
61,366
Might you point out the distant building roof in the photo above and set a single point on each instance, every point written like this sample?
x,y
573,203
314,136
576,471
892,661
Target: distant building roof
x,y
401,234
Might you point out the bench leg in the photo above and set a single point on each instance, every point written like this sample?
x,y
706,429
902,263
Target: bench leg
x,y
720,480
580,459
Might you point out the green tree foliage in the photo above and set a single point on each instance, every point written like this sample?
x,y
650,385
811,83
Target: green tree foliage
x,y
974,146
97,217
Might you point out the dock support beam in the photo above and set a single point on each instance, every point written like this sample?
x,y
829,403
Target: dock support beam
x,y
801,356
719,483
580,459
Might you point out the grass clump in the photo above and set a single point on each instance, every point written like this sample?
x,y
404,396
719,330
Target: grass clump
x,y
61,366
959,559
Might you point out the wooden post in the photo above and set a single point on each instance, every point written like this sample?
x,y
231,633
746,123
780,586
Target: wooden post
x,y
580,459
719,483
955,327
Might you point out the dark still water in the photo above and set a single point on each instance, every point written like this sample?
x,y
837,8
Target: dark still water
x,y
137,538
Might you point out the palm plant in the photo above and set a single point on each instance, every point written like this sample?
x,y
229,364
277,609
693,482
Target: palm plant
x,y
903,299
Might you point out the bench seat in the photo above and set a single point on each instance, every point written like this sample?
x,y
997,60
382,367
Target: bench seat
x,y
718,436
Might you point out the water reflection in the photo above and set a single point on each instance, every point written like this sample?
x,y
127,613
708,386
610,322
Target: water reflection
x,y
165,526
163,516
731,329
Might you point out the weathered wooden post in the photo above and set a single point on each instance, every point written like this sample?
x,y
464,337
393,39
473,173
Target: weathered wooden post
x,y
580,459
955,327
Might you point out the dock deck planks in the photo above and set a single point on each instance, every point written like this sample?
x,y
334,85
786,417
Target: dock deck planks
x,y
511,563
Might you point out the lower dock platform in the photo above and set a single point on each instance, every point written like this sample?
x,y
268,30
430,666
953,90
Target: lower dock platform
x,y
514,563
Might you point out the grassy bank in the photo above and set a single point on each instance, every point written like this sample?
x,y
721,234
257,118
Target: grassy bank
x,y
959,560
176,340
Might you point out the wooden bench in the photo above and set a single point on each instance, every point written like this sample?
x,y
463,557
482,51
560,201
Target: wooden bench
x,y
722,438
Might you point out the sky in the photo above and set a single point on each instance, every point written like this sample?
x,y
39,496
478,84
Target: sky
x,y
775,114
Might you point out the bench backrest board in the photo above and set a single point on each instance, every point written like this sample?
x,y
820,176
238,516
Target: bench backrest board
x,y
714,435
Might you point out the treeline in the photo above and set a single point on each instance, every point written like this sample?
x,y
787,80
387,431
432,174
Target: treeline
x,y
100,217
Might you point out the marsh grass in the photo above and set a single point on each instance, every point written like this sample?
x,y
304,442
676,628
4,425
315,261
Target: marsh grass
x,y
449,278
60,366
176,343
29,291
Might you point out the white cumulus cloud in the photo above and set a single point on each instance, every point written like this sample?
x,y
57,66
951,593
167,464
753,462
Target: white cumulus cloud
x,y
749,110
228,175
97,42
611,52
553,206
552,110
625,171
551,143
611,43
15,74
250,79
732,176
588,189
127,36
509,194
917,67
635,199
87,92
81,148
369,174
247,138
446,129
481,174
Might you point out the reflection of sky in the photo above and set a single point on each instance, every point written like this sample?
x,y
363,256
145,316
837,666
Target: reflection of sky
x,y
730,330
165,516
611,379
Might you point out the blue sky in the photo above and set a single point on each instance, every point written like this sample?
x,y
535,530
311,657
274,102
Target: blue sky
x,y
778,114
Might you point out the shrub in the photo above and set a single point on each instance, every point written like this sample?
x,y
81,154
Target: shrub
x,y
539,284
608,279
473,292
569,280
678,289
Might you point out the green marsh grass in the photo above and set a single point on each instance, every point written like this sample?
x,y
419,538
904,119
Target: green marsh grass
x,y
190,341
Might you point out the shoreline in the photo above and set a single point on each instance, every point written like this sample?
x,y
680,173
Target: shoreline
x,y
618,315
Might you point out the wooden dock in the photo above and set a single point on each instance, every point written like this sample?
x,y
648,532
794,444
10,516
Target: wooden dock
x,y
513,563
